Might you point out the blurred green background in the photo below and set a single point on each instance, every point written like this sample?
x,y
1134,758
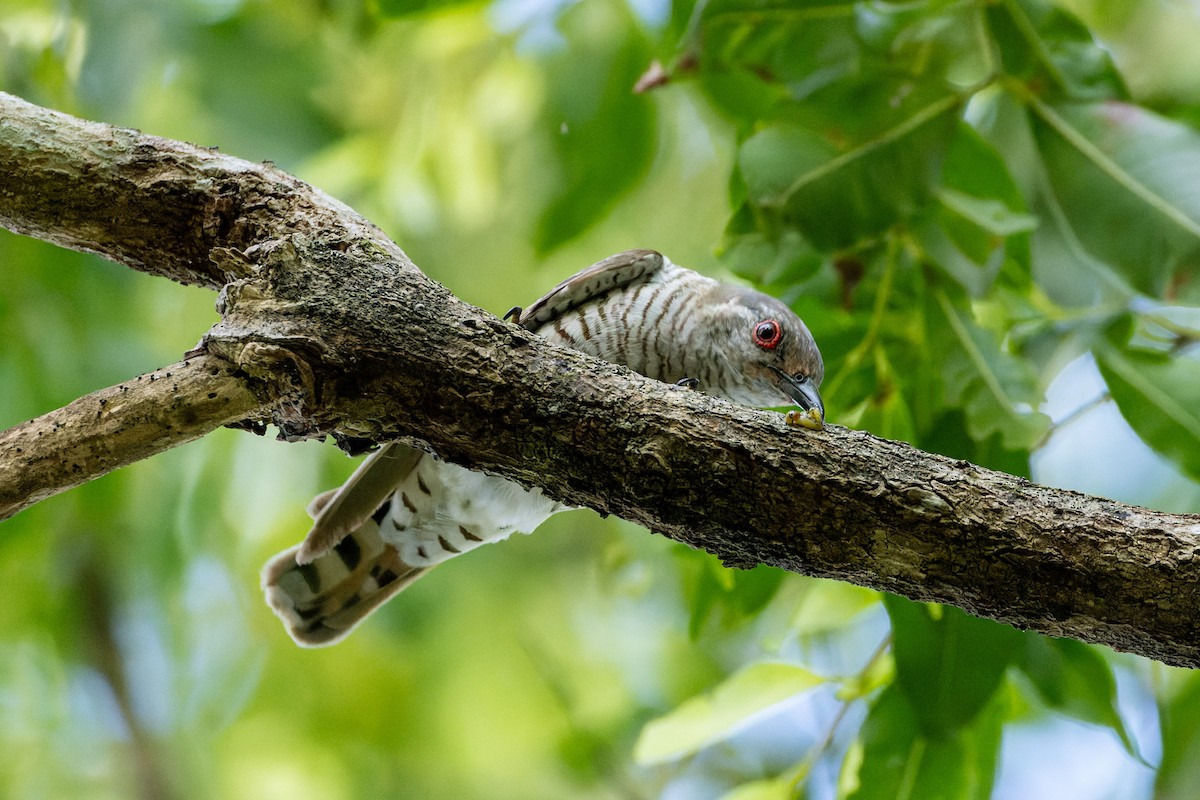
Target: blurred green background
x,y
987,212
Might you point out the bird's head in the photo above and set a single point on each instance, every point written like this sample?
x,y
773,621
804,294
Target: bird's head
x,y
770,357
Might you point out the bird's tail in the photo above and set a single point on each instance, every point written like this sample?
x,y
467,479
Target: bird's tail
x,y
343,570
321,601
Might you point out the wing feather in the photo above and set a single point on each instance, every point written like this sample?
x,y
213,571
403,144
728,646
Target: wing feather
x,y
595,281
363,492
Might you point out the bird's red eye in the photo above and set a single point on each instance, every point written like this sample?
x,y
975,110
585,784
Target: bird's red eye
x,y
768,334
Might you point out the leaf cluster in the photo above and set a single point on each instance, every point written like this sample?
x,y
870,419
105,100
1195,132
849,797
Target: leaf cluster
x,y
960,198
985,198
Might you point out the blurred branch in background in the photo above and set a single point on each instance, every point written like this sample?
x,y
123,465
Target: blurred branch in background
x,y
154,778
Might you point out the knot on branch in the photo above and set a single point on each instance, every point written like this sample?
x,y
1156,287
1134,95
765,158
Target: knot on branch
x,y
294,323
233,263
284,372
261,270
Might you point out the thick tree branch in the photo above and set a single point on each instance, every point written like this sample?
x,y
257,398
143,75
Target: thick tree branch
x,y
153,204
328,322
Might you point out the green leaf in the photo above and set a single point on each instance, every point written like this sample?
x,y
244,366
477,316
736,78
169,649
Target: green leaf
x,y
886,411
404,8
1179,721
1075,679
829,605
1043,45
603,133
948,664
1128,182
1166,329
767,789
799,9
989,214
776,157
1159,396
754,588
731,706
732,595
1056,259
807,47
894,759
758,247
810,45
742,96
997,390
981,217
975,167
875,182
705,581
932,41
966,253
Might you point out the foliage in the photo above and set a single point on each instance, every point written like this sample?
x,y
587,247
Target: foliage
x,y
971,202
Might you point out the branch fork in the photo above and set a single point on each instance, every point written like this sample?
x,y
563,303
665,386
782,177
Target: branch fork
x,y
328,329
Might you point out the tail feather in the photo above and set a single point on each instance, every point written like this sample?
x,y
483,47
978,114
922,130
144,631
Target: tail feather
x,y
343,570
340,511
321,601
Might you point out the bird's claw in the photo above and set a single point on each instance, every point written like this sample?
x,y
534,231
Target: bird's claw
x,y
811,419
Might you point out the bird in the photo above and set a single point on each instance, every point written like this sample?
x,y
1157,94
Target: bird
x,y
404,511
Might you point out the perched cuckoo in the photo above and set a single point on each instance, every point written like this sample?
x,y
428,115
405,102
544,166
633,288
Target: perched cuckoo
x,y
404,511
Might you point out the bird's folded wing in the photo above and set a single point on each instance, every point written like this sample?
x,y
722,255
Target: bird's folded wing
x,y
595,281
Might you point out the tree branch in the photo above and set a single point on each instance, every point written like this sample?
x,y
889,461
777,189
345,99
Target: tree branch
x,y
327,323
116,426
153,204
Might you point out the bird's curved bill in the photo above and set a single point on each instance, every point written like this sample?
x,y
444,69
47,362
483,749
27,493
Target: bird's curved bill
x,y
802,390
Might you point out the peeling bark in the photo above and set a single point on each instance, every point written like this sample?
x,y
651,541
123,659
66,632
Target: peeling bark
x,y
328,329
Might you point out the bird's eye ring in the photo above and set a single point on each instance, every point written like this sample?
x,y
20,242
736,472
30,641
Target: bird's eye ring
x,y
768,334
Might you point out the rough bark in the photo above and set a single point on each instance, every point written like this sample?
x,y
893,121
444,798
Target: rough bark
x,y
328,329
